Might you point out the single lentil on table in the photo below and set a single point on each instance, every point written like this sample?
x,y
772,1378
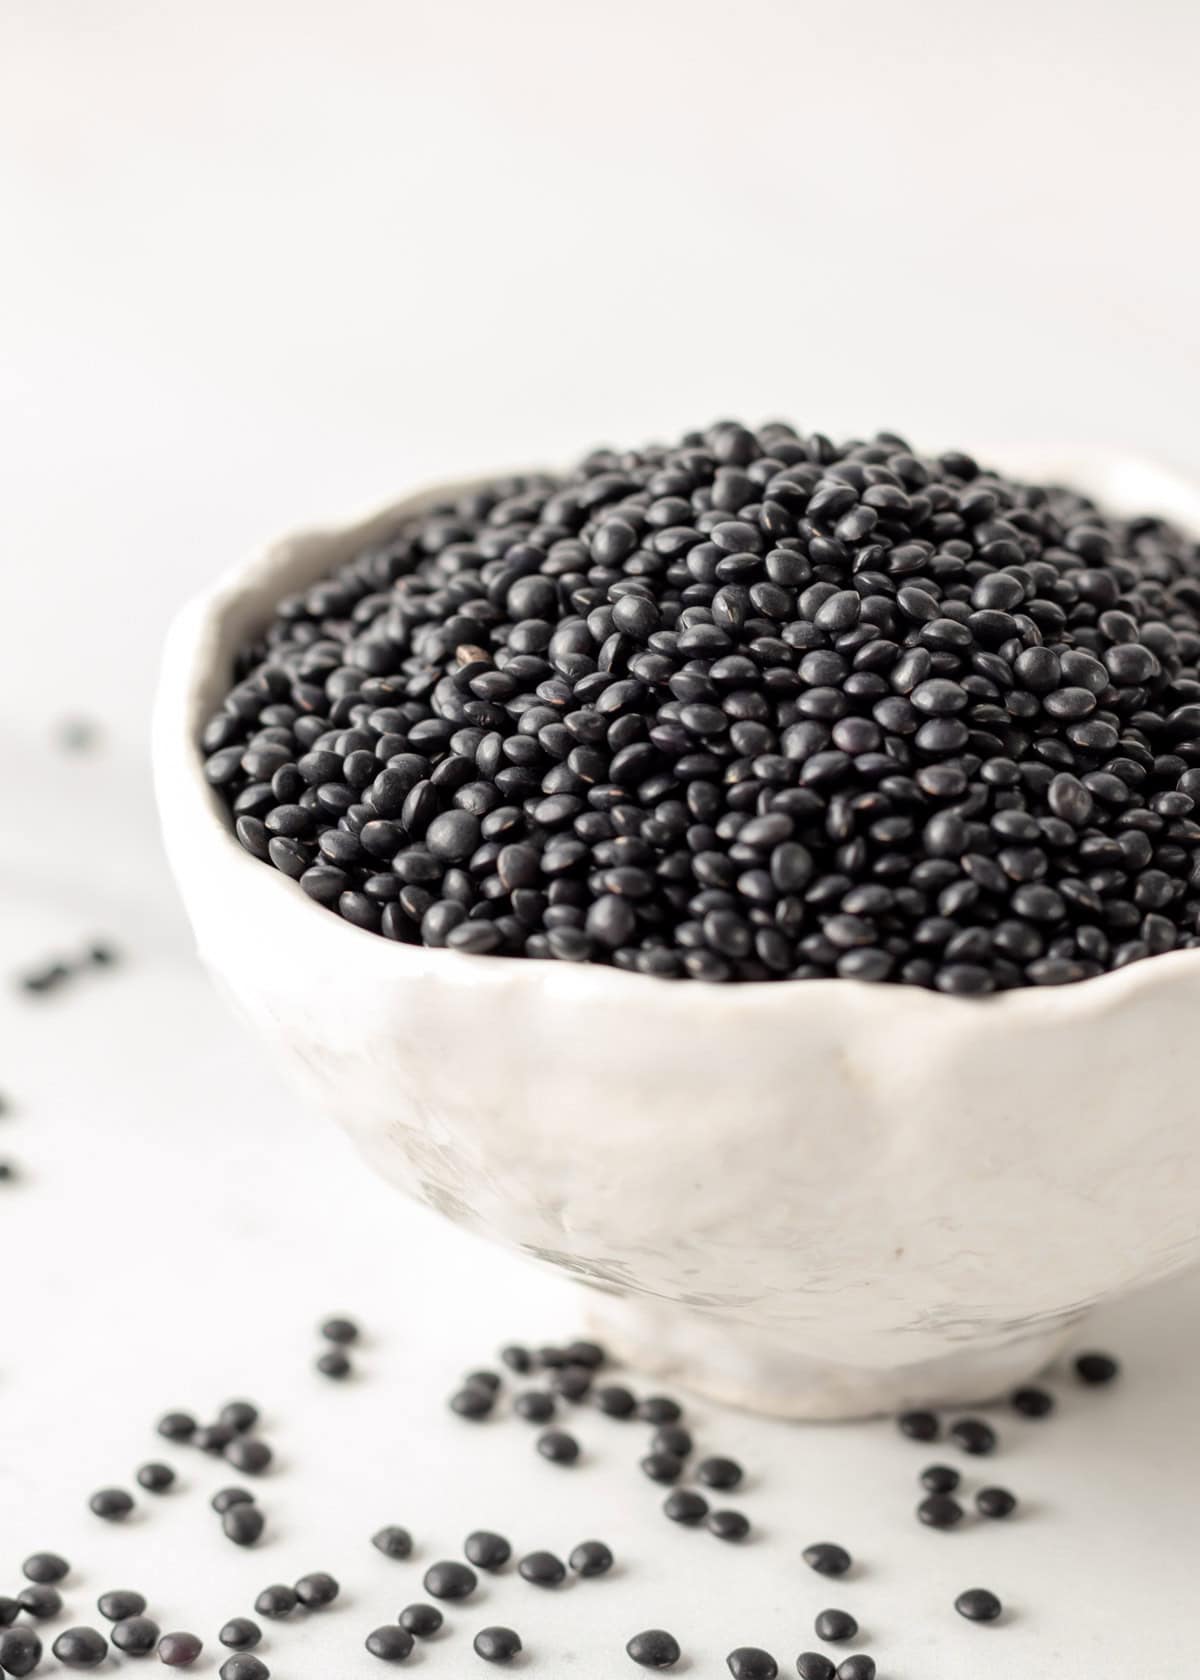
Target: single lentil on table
x,y
756,706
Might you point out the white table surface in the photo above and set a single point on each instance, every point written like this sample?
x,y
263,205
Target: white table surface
x,y
270,261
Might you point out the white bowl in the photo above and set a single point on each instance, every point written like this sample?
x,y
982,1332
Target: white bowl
x,y
817,1199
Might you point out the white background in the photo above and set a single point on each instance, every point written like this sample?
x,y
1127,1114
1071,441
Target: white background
x,y
267,263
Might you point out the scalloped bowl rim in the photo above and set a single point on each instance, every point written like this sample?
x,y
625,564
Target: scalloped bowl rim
x,y
196,644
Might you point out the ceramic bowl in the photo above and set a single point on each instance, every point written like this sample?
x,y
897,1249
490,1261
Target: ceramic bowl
x,y
819,1199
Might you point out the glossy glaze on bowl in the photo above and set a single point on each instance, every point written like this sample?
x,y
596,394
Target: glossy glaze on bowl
x,y
818,1199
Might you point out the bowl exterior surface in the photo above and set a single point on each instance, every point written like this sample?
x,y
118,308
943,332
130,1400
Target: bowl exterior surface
x,y
818,1199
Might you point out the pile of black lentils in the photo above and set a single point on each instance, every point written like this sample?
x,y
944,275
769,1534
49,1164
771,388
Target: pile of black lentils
x,y
758,706
573,1376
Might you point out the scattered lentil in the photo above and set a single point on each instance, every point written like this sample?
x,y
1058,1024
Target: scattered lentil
x,y
390,1644
20,1651
812,1665
827,1558
276,1601
213,1438
673,1438
974,1436
497,1644
334,1364
662,1467
179,1650
80,1647
240,1633
835,1625
239,1415
658,1409
918,1426
40,1601
317,1590
939,1478
728,1525
719,1472
249,1455
518,1359
45,1568
557,1446
940,1510
450,1580
473,1402
244,1667
487,1550
136,1635
111,1503
121,1605
1095,1369
535,1406
977,1604
421,1620
393,1541
654,1648
748,1662
591,1557
226,1498
243,1524
340,1330
1032,1402
155,1477
9,1610
995,1502
857,1667
685,1506
542,1569
176,1426
614,1400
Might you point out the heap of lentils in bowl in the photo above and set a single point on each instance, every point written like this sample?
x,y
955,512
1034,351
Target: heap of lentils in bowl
x,y
757,706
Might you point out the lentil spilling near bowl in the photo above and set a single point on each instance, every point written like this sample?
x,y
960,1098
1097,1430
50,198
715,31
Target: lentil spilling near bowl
x,y
758,706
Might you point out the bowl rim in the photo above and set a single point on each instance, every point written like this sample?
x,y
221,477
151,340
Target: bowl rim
x,y
194,674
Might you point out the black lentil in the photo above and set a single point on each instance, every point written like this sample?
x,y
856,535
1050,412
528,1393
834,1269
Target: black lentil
x,y
571,1381
534,1405
155,1477
940,1510
483,1379
1094,1369
136,1635
719,1472
340,1330
421,1620
658,1409
995,1502
276,1601
317,1590
179,1650
249,1455
244,1667
812,1665
497,1644
728,1525
226,1498
591,1557
1032,1402
518,1359
974,1436
977,1604
120,1605
835,1625
20,1651
939,1478
334,1364
542,1569
177,1426
487,1550
40,1601
240,1633
672,1438
557,1446
685,1506
243,1524
45,1568
748,1662
614,1400
213,1438
654,1648
918,1426
239,1415
662,1467
857,1667
827,1558
9,1610
111,1503
589,1354
900,652
81,1647
450,1580
473,1402
390,1644
393,1541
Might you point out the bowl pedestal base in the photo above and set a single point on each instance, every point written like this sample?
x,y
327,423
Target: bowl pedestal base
x,y
720,1359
